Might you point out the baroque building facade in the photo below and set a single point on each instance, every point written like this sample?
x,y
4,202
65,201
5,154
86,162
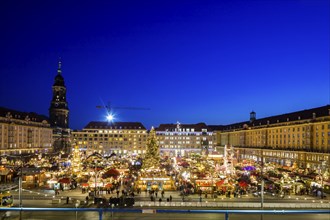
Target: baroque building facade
x,y
301,137
111,137
184,139
23,132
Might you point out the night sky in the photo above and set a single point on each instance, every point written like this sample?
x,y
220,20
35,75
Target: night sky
x,y
188,61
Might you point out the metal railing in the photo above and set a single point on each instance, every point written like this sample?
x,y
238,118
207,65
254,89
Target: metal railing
x,y
235,205
226,213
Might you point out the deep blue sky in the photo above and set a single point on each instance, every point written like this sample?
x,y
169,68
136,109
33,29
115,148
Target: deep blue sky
x,y
189,61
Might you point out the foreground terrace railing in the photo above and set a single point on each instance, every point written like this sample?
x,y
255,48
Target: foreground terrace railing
x,y
101,211
236,205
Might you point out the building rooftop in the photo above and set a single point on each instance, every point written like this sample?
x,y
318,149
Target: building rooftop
x,y
288,117
30,116
114,125
173,127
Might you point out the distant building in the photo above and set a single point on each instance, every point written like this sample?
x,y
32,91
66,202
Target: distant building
x,y
301,137
115,137
59,113
23,132
184,139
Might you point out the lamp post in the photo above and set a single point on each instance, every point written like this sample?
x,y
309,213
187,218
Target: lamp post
x,y
76,205
262,193
95,162
96,175
20,178
262,182
90,166
321,173
20,187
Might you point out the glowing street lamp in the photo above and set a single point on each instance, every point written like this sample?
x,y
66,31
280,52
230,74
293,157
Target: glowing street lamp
x,y
110,117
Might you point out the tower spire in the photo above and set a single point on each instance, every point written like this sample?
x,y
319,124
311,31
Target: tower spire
x,y
59,70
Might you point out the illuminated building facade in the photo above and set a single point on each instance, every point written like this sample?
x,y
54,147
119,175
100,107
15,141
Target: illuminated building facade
x,y
111,137
22,132
184,139
301,137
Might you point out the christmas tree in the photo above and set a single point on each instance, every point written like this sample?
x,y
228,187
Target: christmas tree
x,y
76,161
151,158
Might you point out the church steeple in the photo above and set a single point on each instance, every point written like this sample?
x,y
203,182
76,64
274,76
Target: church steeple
x,y
252,116
59,69
59,111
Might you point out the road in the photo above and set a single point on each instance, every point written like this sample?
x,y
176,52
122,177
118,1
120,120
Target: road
x,y
38,198
77,194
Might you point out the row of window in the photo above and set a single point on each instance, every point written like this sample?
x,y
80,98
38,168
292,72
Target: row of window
x,y
126,129
106,135
185,142
294,155
284,130
112,143
124,148
185,138
184,130
180,147
111,139
184,134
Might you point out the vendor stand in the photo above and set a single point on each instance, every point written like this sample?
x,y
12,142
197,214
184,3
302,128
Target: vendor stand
x,y
155,183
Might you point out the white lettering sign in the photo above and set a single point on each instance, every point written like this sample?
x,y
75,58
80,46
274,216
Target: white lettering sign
x,y
156,178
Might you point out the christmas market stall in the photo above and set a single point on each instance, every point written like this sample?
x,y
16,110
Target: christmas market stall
x,y
204,186
155,183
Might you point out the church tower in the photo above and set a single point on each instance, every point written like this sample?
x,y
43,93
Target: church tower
x,y
252,116
59,111
59,114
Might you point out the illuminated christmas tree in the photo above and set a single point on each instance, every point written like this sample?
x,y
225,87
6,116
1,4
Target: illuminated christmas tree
x,y
76,161
151,158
